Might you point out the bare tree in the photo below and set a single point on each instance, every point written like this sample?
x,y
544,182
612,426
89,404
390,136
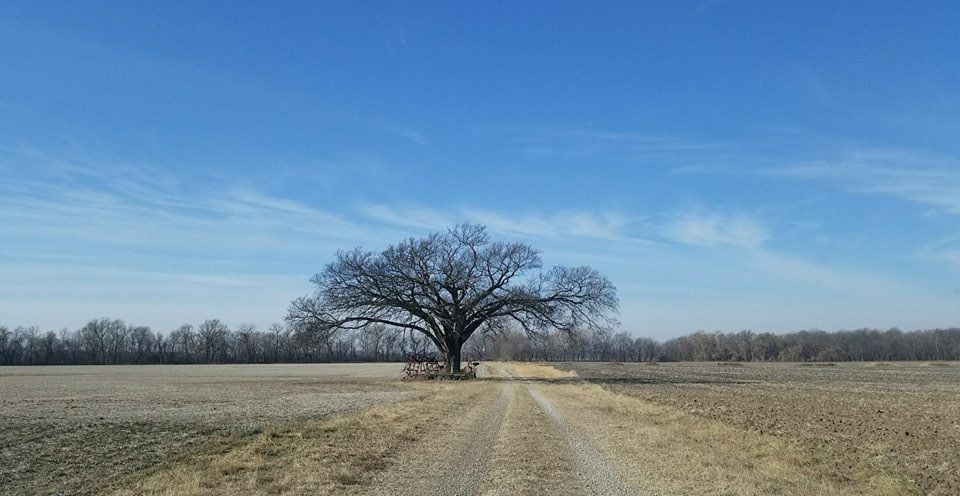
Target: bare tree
x,y
29,337
648,349
49,347
96,337
182,343
246,342
213,339
6,346
162,346
372,339
276,334
448,286
117,334
142,342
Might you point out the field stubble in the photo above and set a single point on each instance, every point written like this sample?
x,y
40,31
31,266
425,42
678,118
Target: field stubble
x,y
750,429
864,424
84,430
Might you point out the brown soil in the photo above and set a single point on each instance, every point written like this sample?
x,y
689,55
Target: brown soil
x,y
85,430
674,429
864,424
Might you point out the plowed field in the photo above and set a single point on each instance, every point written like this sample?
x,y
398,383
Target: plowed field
x,y
859,419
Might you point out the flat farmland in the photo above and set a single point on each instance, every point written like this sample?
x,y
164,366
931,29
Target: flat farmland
x,y
88,429
568,429
861,420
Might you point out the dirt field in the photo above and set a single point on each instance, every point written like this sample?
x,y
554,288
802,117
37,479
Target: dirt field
x,y
84,430
901,420
585,429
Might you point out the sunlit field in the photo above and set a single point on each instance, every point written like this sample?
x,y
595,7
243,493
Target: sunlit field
x,y
570,428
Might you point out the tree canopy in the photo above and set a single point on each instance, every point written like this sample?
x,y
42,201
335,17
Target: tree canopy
x,y
448,286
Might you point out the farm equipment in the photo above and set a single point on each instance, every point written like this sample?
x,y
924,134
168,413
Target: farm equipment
x,y
428,367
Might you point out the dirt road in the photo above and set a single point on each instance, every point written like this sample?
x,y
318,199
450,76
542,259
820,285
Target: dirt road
x,y
519,443
537,434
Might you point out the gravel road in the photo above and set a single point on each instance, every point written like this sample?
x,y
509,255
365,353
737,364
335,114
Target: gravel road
x,y
463,471
535,451
597,476
594,474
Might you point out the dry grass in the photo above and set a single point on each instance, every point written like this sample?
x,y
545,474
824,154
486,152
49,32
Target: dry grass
x,y
335,456
675,453
859,420
537,371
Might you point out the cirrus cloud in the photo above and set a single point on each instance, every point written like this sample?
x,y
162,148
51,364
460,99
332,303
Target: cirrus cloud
x,y
716,230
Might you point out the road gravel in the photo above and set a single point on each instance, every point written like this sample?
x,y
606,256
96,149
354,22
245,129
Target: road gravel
x,y
544,453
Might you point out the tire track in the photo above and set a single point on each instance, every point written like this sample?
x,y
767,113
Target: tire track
x,y
593,471
530,456
466,459
454,459
462,474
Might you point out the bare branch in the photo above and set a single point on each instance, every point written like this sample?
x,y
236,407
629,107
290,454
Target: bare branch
x,y
449,285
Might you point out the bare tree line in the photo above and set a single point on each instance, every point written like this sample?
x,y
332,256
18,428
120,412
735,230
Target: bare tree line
x,y
110,341
747,346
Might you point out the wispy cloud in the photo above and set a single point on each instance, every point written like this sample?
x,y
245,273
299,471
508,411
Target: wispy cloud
x,y
161,299
407,133
945,250
793,270
735,247
134,241
595,143
716,230
562,224
129,234
138,206
914,176
608,226
416,217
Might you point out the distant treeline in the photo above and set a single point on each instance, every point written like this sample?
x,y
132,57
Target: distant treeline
x,y
108,341
746,346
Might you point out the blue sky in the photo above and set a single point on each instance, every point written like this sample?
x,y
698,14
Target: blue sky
x,y
730,165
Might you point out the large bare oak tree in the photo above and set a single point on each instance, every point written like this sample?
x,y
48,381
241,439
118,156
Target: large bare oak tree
x,y
450,285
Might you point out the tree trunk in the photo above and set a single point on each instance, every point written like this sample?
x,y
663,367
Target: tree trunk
x,y
454,348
